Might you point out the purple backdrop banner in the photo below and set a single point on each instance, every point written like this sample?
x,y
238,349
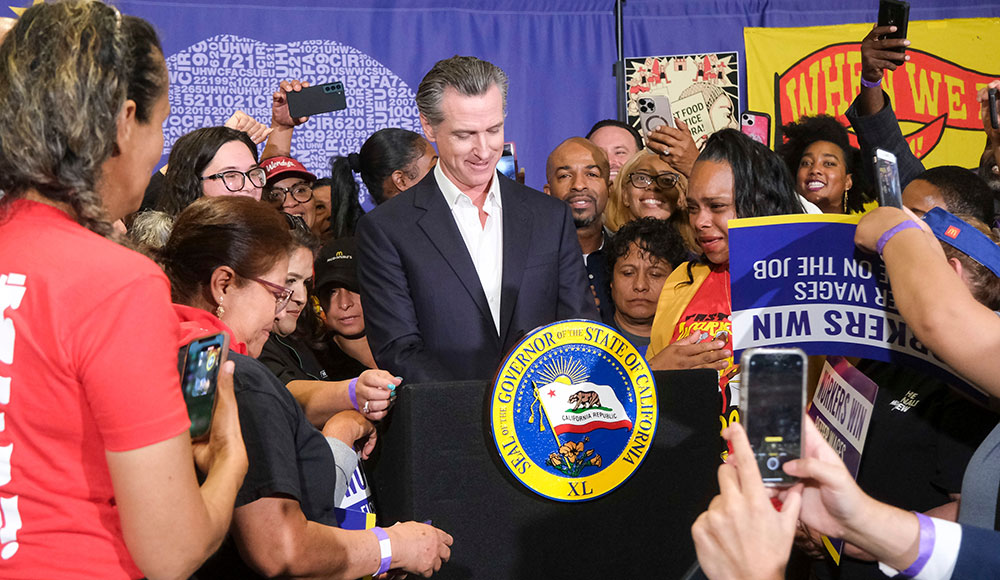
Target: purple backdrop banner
x,y
224,55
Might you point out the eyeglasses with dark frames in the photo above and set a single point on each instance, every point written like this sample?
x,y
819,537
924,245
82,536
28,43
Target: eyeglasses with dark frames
x,y
235,180
301,192
281,294
644,180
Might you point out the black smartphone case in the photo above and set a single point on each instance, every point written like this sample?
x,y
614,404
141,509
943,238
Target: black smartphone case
x,y
315,100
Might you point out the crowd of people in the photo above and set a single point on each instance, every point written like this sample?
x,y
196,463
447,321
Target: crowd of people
x,y
109,267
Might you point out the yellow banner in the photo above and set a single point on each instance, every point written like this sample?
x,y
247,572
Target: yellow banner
x,y
795,72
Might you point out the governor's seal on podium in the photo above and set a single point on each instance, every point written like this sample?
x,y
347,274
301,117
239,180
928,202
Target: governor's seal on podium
x,y
573,410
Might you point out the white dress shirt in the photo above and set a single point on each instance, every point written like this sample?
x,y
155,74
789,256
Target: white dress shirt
x,y
485,244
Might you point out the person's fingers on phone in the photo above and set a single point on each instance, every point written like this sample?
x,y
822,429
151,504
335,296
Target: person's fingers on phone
x,y
683,151
745,463
225,441
729,484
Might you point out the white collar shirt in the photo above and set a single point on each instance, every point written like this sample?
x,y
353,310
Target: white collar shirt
x,y
484,243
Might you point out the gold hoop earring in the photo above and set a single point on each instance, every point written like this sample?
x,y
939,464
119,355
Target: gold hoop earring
x,y
219,310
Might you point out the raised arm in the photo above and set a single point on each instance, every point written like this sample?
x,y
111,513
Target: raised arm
x,y
933,300
871,114
170,525
282,124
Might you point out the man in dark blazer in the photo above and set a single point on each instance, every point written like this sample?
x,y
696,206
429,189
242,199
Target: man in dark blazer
x,y
455,270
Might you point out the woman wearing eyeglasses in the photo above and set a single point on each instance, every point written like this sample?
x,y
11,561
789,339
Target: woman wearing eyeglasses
x,y
650,187
289,188
227,260
210,162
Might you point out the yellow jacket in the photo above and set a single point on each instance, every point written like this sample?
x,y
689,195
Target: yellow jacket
x,y
674,299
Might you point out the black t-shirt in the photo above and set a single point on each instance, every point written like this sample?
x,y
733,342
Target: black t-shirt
x,y
921,436
291,359
339,365
288,457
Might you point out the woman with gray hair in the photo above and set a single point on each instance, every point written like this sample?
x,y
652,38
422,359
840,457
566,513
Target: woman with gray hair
x,y
96,470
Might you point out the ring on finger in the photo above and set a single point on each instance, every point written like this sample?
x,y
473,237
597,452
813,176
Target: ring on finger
x,y
365,408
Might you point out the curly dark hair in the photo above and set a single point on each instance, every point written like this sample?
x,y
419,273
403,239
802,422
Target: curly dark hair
x,y
808,130
657,238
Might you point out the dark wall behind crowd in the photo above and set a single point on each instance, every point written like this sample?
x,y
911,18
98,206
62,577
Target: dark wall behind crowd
x,y
558,54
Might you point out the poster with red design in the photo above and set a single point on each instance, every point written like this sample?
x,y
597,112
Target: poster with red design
x,y
797,72
703,89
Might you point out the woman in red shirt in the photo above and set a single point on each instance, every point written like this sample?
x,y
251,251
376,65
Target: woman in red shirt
x,y
96,470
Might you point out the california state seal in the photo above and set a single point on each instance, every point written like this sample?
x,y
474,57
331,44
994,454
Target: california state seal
x,y
573,410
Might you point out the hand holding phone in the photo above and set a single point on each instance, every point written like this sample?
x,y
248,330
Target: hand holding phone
x,y
992,98
887,173
654,112
894,13
315,100
883,48
223,448
280,117
772,402
199,363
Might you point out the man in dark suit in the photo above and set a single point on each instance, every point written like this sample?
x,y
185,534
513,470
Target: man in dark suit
x,y
456,269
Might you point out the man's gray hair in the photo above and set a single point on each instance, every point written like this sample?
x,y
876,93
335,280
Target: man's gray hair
x,y
468,75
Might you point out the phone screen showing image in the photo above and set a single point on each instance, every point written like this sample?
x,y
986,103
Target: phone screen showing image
x,y
200,363
508,161
774,384
887,175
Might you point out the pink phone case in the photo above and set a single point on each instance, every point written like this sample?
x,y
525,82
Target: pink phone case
x,y
757,126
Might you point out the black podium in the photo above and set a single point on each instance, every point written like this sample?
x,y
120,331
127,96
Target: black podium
x,y
438,462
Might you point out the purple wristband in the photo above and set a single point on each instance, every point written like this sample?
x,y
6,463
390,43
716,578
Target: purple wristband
x,y
385,550
352,390
889,233
869,84
926,546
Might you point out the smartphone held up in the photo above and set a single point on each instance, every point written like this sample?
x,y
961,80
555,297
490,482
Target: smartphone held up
x,y
655,112
199,363
772,401
894,13
315,100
